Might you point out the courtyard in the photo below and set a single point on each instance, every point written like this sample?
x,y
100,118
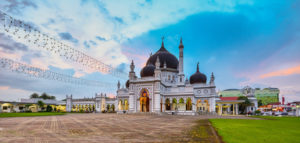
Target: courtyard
x,y
106,128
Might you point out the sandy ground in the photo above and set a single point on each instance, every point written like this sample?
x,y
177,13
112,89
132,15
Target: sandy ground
x,y
83,128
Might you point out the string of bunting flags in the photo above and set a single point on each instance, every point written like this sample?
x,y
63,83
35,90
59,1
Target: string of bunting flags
x,y
17,67
27,33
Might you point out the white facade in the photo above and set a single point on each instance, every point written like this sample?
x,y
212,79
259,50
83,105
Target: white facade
x,y
99,103
166,90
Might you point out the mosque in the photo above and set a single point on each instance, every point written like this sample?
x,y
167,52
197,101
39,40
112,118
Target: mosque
x,y
163,87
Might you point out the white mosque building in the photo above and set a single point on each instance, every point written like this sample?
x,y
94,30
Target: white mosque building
x,y
162,87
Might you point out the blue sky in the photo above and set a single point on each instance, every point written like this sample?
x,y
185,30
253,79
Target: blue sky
x,y
249,42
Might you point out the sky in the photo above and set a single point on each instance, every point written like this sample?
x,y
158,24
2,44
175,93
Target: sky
x,y
245,42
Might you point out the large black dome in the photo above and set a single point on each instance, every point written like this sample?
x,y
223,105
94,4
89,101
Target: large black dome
x,y
148,70
127,84
164,57
198,77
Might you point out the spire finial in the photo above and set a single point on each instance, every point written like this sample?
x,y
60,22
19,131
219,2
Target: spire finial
x,y
157,63
162,41
180,40
132,66
198,67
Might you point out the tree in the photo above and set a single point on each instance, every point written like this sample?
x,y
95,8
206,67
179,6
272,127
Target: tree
x,y
52,97
44,96
259,103
34,95
49,108
243,106
41,104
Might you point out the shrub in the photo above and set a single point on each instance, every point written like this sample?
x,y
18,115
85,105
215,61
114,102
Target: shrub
x,y
257,112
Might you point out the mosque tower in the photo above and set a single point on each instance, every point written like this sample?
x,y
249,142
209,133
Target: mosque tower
x,y
181,74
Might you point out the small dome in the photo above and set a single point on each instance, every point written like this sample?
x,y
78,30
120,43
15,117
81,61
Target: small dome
x,y
148,70
127,84
164,57
198,77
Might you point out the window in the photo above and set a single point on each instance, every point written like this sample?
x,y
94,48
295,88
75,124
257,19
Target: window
x,y
180,79
169,77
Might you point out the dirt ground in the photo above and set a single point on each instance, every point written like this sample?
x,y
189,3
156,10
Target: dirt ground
x,y
106,128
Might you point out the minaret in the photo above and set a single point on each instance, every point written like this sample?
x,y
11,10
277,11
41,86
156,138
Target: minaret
x,y
181,57
157,70
132,73
119,85
181,74
212,79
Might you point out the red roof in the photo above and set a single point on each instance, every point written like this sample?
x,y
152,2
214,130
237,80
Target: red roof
x,y
229,98
275,103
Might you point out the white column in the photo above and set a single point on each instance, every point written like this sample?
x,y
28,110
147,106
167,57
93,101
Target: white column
x,y
233,109
237,109
221,109
156,103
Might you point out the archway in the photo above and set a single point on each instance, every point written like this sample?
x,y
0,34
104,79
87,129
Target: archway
x,y
189,104
126,104
120,105
144,100
174,104
168,107
181,105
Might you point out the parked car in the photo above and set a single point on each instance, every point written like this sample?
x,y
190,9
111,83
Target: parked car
x,y
277,113
284,113
267,113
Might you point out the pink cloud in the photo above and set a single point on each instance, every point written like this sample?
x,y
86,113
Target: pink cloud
x,y
4,87
139,59
284,72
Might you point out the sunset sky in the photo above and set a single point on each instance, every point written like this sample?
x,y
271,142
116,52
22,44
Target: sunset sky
x,y
245,42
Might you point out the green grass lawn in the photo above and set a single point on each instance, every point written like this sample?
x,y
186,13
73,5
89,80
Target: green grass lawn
x,y
271,130
4,115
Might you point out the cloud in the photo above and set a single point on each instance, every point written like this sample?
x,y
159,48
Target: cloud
x,y
10,45
100,38
67,36
4,87
284,72
16,6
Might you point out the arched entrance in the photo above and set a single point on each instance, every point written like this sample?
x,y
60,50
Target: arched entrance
x,y
168,106
144,100
189,104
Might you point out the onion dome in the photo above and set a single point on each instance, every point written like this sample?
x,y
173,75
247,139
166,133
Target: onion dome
x,y
165,57
148,70
127,84
198,77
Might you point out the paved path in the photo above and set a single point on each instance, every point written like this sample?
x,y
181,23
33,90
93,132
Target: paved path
x,y
73,128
